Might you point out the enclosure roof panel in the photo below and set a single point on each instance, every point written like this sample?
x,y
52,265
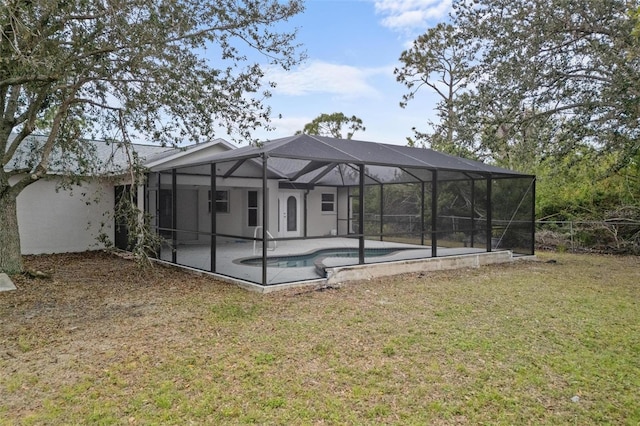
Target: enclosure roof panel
x,y
332,150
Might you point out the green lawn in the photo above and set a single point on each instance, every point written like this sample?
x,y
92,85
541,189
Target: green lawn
x,y
524,343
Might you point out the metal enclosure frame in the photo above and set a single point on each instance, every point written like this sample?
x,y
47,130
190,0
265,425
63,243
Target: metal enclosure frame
x,y
447,201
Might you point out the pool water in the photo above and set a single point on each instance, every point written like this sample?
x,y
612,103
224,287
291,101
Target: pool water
x,y
298,261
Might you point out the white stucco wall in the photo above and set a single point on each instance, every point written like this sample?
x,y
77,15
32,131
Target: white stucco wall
x,y
321,223
231,223
193,210
343,211
188,216
193,205
64,221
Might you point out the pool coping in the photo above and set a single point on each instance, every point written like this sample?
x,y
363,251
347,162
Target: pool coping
x,y
351,273
355,272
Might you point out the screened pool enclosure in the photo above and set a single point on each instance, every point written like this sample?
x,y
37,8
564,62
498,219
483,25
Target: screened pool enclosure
x,y
262,214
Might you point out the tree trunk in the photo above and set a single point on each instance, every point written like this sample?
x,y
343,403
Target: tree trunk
x,y
10,256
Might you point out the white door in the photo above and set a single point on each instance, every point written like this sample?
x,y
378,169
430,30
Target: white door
x,y
289,212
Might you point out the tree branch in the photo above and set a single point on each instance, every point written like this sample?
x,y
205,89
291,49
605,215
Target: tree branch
x,y
11,105
23,79
28,118
41,168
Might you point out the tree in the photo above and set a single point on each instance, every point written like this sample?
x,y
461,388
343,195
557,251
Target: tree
x,y
562,80
567,61
331,125
550,87
168,71
440,61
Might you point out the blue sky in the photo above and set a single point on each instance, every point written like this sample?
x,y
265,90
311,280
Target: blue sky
x,y
353,47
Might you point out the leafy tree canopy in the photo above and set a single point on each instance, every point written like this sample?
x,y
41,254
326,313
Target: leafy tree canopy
x,y
556,60
167,71
332,124
510,65
440,61
550,87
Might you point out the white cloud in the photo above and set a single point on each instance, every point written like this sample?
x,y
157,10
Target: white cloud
x,y
287,126
407,15
317,77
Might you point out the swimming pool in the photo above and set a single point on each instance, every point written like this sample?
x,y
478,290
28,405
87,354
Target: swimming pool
x,y
309,259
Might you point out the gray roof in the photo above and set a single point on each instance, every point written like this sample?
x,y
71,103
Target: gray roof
x,y
305,159
108,157
329,161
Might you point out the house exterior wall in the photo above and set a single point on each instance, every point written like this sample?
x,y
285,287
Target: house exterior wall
x,y
320,222
67,220
204,214
343,211
193,205
230,223
194,214
188,217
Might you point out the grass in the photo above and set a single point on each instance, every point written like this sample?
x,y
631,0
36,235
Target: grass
x,y
525,343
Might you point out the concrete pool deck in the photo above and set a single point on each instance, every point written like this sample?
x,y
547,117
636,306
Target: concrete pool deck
x,y
411,258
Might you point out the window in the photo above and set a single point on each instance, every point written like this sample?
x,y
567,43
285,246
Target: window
x,y
222,201
328,202
253,208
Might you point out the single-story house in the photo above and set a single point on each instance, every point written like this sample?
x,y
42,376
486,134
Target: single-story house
x,y
56,216
317,203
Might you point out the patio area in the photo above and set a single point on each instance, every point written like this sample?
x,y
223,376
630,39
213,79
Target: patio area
x,y
231,254
377,203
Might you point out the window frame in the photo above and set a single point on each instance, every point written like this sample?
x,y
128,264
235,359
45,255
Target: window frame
x,y
220,202
324,203
253,210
